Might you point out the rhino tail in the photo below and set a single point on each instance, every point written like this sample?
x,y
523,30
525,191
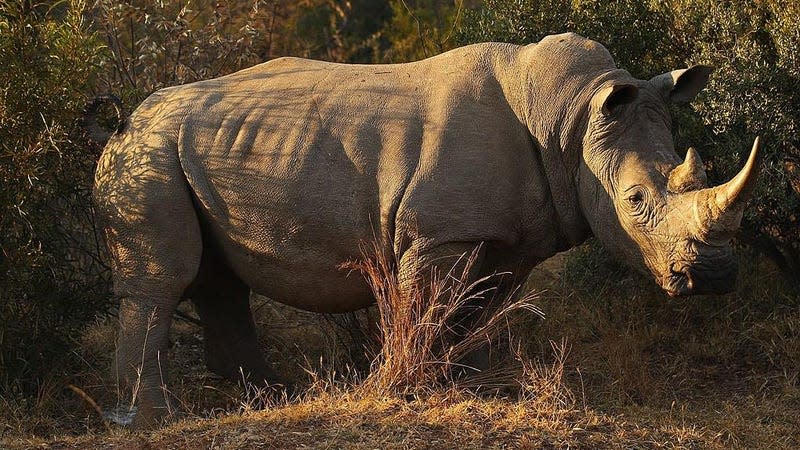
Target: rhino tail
x,y
98,133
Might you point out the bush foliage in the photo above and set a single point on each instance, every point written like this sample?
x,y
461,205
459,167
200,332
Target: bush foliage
x,y
51,278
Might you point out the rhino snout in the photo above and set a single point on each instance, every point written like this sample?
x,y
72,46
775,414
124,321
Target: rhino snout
x,y
678,282
717,277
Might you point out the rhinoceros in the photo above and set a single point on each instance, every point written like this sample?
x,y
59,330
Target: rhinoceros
x,y
268,179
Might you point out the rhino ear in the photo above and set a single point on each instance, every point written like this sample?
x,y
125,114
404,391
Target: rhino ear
x,y
616,95
681,86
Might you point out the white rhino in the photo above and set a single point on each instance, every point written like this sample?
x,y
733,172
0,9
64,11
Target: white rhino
x,y
272,177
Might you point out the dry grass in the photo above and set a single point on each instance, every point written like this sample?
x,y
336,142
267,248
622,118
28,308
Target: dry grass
x,y
450,419
630,369
418,347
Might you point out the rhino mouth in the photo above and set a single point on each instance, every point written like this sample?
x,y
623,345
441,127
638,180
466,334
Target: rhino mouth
x,y
717,277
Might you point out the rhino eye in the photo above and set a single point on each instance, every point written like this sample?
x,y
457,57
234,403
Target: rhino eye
x,y
636,198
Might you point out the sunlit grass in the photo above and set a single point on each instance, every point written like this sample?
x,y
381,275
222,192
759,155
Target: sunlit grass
x,y
415,351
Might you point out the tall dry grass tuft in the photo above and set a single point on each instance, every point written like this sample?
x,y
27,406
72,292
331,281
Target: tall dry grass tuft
x,y
543,385
419,347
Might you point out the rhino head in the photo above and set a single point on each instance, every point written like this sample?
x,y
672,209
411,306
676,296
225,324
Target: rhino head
x,y
654,211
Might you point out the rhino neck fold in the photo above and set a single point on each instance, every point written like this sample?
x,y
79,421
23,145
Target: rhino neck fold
x,y
553,108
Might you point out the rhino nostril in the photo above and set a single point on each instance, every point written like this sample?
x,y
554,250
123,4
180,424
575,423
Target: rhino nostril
x,y
683,275
689,279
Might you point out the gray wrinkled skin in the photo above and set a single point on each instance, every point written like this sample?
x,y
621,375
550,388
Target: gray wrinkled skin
x,y
270,178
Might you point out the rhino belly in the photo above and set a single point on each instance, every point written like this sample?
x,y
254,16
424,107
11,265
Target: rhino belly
x,y
302,277
288,233
292,257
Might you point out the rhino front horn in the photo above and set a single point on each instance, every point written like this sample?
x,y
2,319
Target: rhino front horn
x,y
737,191
725,204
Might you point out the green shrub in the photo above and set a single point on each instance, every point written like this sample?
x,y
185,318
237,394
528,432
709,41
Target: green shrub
x,y
420,29
151,45
341,31
51,276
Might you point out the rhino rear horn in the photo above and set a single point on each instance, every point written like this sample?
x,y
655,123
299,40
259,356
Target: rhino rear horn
x,y
681,86
688,176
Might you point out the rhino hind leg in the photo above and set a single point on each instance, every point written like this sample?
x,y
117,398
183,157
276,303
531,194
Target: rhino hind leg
x,y
222,301
154,240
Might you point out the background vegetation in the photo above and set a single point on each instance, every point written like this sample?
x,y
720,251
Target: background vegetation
x,y
630,349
